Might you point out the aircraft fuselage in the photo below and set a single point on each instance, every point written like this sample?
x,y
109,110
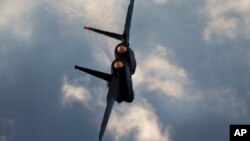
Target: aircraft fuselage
x,y
125,56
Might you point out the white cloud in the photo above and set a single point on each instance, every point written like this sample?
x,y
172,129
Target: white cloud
x,y
13,14
160,1
81,91
138,119
72,92
227,19
156,72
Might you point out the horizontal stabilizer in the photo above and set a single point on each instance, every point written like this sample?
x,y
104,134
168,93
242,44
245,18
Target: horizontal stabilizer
x,y
109,34
95,73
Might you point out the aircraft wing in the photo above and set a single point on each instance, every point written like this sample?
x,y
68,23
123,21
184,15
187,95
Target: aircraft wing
x,y
128,21
111,97
95,73
107,33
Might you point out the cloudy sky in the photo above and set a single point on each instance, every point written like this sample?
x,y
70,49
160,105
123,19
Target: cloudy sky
x,y
192,79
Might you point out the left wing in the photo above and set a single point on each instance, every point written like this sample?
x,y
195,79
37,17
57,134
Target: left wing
x,y
111,97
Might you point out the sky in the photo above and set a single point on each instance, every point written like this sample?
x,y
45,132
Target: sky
x,y
191,82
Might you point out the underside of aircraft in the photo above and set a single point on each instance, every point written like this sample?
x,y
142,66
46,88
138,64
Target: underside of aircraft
x,y
122,68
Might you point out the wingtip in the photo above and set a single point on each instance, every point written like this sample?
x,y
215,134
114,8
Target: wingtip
x,y
87,27
100,138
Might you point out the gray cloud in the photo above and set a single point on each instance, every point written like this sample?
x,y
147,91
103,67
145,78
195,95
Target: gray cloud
x,y
227,19
42,41
7,128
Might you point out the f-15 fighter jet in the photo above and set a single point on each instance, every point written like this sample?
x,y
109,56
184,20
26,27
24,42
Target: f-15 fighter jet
x,y
123,67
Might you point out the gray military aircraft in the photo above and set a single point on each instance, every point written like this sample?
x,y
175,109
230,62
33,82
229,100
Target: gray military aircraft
x,y
123,67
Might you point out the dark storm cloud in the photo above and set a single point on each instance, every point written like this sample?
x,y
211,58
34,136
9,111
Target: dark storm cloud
x,y
214,67
33,67
31,78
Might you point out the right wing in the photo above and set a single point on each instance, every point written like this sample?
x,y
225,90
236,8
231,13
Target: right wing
x,y
111,97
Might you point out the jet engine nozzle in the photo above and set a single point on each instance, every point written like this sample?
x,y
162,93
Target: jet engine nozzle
x,y
118,64
121,48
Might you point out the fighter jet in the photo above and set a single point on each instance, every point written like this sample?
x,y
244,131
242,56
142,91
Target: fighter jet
x,y
122,68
